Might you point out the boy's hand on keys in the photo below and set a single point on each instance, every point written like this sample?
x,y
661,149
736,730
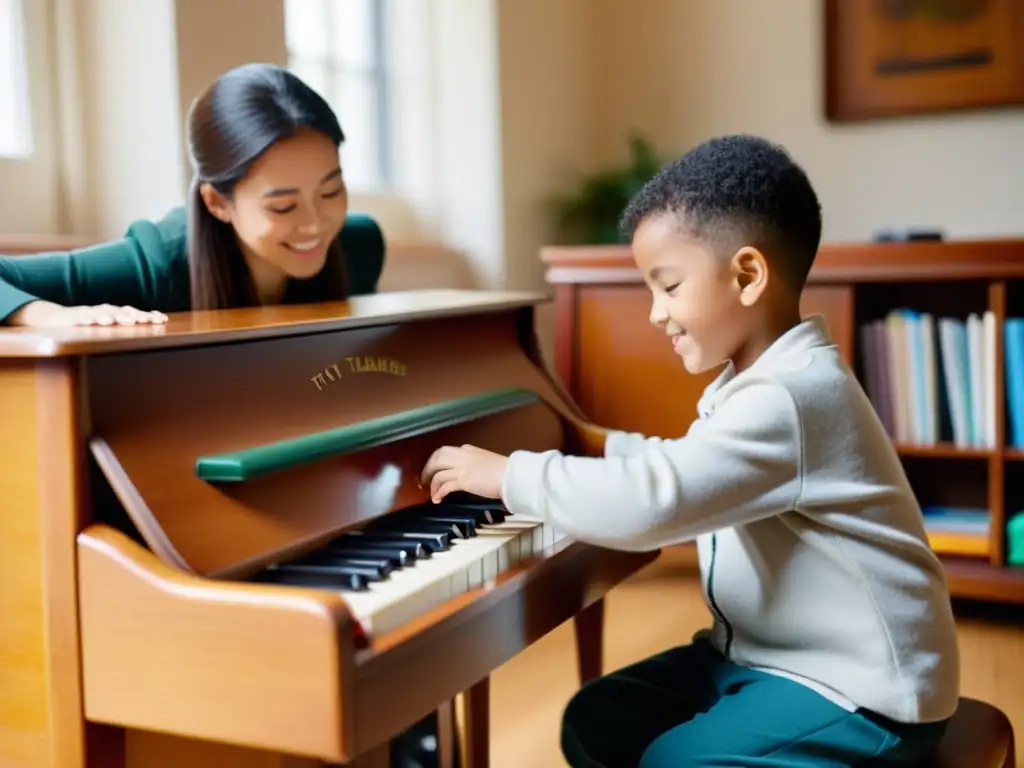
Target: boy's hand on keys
x,y
466,468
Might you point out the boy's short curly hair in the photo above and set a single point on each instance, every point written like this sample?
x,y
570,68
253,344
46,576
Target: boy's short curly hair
x,y
733,191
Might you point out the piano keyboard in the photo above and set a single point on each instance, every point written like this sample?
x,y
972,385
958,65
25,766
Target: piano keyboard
x,y
410,561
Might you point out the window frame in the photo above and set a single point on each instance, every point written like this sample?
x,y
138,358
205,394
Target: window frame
x,y
21,85
36,209
332,67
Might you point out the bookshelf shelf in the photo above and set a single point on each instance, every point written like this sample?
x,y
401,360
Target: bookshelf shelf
x,y
945,451
601,306
975,579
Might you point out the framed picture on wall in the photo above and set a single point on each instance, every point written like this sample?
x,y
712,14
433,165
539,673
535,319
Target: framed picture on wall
x,y
886,58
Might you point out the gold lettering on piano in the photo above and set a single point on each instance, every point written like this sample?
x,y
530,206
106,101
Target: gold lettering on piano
x,y
328,375
367,364
358,364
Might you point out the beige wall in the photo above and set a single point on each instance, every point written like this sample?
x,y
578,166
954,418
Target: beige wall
x,y
209,42
502,103
547,128
684,71
126,72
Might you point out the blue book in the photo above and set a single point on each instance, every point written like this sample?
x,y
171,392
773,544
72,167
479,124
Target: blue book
x,y
1014,350
918,399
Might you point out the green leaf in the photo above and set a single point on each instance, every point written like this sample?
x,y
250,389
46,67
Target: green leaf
x,y
590,214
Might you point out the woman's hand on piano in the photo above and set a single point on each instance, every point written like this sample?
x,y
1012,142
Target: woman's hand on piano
x,y
468,468
45,314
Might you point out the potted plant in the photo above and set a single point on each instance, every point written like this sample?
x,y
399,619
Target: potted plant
x,y
590,214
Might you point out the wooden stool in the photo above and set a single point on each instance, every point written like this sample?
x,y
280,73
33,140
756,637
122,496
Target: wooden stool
x,y
979,736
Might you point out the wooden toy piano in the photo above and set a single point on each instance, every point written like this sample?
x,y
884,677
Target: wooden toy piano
x,y
215,551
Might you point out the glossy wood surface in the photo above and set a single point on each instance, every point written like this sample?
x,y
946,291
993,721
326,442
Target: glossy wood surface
x,y
233,663
125,652
274,668
835,263
472,708
190,329
155,413
40,715
943,58
623,365
624,375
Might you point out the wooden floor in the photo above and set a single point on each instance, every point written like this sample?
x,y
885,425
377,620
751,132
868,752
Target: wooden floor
x,y
661,607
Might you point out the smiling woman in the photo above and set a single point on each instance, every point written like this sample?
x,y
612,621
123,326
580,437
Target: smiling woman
x,y
267,222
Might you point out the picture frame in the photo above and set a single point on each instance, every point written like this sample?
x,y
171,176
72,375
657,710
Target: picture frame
x,y
891,58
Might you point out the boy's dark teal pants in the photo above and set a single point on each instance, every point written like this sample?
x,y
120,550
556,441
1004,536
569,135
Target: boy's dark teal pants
x,y
692,707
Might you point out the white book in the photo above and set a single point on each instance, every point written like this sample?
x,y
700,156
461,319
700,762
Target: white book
x,y
975,347
989,377
931,384
899,373
952,334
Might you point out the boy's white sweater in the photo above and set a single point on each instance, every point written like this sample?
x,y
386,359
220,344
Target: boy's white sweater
x,y
812,547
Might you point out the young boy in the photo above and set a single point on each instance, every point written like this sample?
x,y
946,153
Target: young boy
x,y
833,639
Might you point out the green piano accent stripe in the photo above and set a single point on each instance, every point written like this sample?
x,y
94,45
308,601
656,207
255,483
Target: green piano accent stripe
x,y
239,466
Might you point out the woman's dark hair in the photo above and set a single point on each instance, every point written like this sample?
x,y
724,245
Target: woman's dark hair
x,y
232,123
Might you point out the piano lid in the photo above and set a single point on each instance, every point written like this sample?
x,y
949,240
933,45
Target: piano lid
x,y
189,329
231,456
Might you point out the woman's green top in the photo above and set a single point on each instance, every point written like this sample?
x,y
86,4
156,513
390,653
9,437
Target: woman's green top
x,y
148,268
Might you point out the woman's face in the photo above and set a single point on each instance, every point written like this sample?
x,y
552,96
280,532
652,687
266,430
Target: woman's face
x,y
287,209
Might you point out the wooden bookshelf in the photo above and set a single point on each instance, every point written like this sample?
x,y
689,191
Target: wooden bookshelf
x,y
624,376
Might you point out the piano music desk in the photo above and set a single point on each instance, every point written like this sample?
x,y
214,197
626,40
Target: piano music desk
x,y
154,477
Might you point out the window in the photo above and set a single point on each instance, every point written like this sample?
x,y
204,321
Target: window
x,y
337,48
16,123
28,135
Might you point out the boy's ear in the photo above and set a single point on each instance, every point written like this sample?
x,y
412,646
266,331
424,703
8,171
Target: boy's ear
x,y
750,269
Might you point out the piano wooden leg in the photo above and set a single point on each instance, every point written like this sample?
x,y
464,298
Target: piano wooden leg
x,y
589,626
472,725
446,735
40,513
472,707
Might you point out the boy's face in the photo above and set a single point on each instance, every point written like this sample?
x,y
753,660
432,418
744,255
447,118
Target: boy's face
x,y
704,303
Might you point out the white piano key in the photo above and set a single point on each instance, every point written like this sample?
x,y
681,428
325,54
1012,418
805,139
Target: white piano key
x,y
466,565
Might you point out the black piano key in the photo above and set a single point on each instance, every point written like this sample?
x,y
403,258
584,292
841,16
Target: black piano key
x,y
367,572
383,564
494,510
462,497
498,515
479,516
351,582
415,525
465,524
391,559
403,524
470,501
435,542
409,550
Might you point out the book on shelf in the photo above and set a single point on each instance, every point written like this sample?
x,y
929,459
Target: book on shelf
x,y
1013,354
933,380
957,530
